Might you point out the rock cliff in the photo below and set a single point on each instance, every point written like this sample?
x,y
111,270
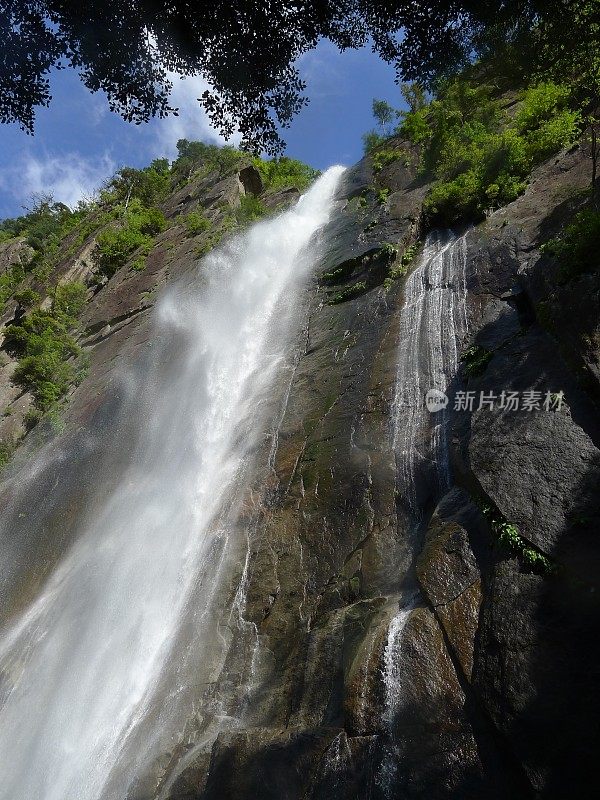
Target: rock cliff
x,y
433,659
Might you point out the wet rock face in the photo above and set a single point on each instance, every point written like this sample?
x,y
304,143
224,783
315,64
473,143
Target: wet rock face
x,y
381,657
494,654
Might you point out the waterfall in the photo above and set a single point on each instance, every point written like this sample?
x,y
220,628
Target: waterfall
x,y
432,322
82,667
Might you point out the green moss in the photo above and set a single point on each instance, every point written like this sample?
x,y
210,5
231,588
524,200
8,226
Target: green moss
x,y
475,360
348,293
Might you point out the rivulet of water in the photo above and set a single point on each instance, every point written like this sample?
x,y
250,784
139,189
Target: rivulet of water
x,y
433,321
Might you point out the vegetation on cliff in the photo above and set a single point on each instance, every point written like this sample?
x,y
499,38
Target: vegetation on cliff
x,y
478,143
116,230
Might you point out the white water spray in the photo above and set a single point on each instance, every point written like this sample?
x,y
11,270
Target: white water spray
x,y
82,666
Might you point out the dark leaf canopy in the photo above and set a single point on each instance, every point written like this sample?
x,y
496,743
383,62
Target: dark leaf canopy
x,y
247,51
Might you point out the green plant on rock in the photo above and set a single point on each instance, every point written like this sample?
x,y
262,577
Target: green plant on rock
x,y
201,158
475,360
384,157
371,141
382,196
196,223
339,274
284,173
576,249
116,245
480,157
139,263
68,302
147,186
509,538
46,353
348,293
389,251
32,417
49,359
6,452
250,209
400,268
27,298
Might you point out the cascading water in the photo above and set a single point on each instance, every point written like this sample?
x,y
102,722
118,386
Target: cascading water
x,y
82,666
433,321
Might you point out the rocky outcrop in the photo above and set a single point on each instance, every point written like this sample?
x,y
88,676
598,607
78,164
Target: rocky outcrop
x,y
494,654
388,659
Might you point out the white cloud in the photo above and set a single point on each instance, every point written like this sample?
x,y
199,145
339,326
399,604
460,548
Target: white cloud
x,y
320,68
191,123
68,178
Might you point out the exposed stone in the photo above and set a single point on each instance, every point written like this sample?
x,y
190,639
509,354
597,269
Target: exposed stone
x,y
495,659
251,181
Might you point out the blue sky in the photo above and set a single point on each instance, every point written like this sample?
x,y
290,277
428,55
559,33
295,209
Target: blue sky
x,y
79,142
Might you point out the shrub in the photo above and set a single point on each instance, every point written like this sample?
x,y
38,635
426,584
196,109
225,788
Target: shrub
x,y
450,202
194,156
147,185
27,297
250,209
68,301
149,222
45,350
414,127
482,160
539,104
578,246
114,246
281,173
371,141
387,156
554,134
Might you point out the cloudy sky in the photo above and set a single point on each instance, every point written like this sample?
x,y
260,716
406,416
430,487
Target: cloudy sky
x,y
79,142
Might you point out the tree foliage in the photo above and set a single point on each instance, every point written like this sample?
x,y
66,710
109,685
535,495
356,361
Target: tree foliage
x,y
480,156
384,114
248,51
